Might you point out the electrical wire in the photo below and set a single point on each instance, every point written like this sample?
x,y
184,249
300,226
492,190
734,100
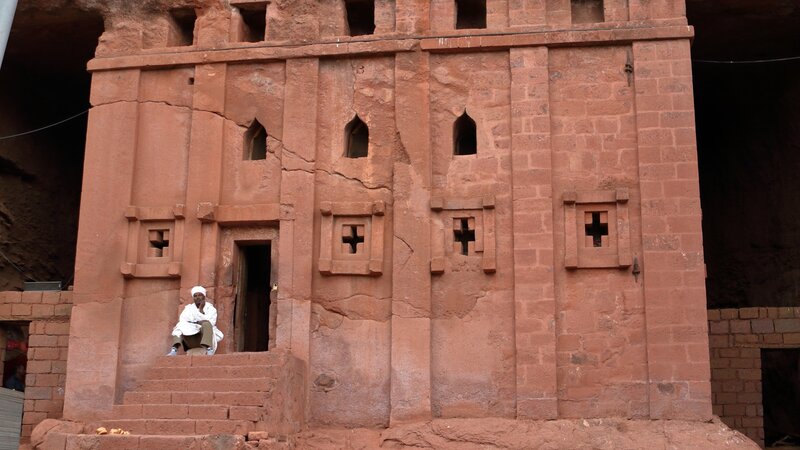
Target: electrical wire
x,y
22,272
44,127
752,61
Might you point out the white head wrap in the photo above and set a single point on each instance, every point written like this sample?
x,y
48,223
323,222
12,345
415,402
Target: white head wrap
x,y
197,289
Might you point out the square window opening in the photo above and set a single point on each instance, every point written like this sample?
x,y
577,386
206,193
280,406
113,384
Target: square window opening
x,y
254,22
470,14
184,19
360,17
587,11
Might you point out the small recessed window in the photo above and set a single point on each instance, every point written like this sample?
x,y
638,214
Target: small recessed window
x,y
356,138
465,139
360,17
254,22
184,20
470,14
255,142
587,11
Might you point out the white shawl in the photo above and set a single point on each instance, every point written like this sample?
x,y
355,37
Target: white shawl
x,y
187,325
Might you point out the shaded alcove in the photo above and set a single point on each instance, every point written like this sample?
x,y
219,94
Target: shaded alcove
x,y
465,136
780,377
43,80
356,139
360,17
255,142
748,136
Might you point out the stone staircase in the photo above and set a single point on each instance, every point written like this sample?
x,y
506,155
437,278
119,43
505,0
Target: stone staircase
x,y
194,401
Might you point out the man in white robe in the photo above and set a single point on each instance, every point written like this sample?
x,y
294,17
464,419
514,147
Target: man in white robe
x,y
197,325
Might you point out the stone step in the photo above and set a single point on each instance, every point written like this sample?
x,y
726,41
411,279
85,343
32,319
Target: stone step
x,y
189,411
191,373
181,426
229,398
273,357
62,441
208,385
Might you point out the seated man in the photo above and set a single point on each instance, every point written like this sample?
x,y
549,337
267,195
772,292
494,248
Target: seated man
x,y
197,325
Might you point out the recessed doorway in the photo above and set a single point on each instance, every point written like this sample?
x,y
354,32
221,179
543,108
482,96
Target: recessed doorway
x,y
254,315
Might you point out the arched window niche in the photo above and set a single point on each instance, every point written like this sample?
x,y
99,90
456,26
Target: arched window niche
x,y
255,142
356,138
465,140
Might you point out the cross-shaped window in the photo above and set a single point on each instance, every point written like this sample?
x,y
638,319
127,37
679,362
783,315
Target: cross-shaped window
x,y
352,235
596,227
463,234
159,242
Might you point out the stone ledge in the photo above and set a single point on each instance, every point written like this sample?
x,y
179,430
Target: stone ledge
x,y
192,56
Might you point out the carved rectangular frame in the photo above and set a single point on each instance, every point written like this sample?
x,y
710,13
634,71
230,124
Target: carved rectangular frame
x,y
485,243
578,257
372,264
139,217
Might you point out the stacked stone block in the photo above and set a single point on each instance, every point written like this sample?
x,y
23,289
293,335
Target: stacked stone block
x,y
48,315
736,339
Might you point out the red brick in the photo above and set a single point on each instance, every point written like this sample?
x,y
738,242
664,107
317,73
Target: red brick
x,y
208,412
42,310
742,363
32,297
33,417
35,367
11,297
62,310
186,398
164,411
791,338
39,340
168,442
38,393
734,410
729,313
719,327
51,297
57,328
749,374
740,326
762,325
45,353
252,413
58,367
787,325
222,426
47,380
20,309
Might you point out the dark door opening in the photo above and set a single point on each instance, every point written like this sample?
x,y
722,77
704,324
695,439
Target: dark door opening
x,y
14,354
780,375
253,315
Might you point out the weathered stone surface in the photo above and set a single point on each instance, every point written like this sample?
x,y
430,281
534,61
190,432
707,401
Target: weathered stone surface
x,y
511,434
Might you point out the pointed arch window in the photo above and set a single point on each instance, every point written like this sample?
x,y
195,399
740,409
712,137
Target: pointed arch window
x,y
465,141
356,138
255,142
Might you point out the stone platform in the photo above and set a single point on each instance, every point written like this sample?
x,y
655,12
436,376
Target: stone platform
x,y
192,401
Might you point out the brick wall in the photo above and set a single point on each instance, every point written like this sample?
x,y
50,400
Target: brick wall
x,y
48,315
736,339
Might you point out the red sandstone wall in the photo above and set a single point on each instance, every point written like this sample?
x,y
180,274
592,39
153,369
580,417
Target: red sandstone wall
x,y
48,315
508,331
601,350
472,312
350,330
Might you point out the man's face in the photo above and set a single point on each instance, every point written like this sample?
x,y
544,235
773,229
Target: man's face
x,y
199,298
